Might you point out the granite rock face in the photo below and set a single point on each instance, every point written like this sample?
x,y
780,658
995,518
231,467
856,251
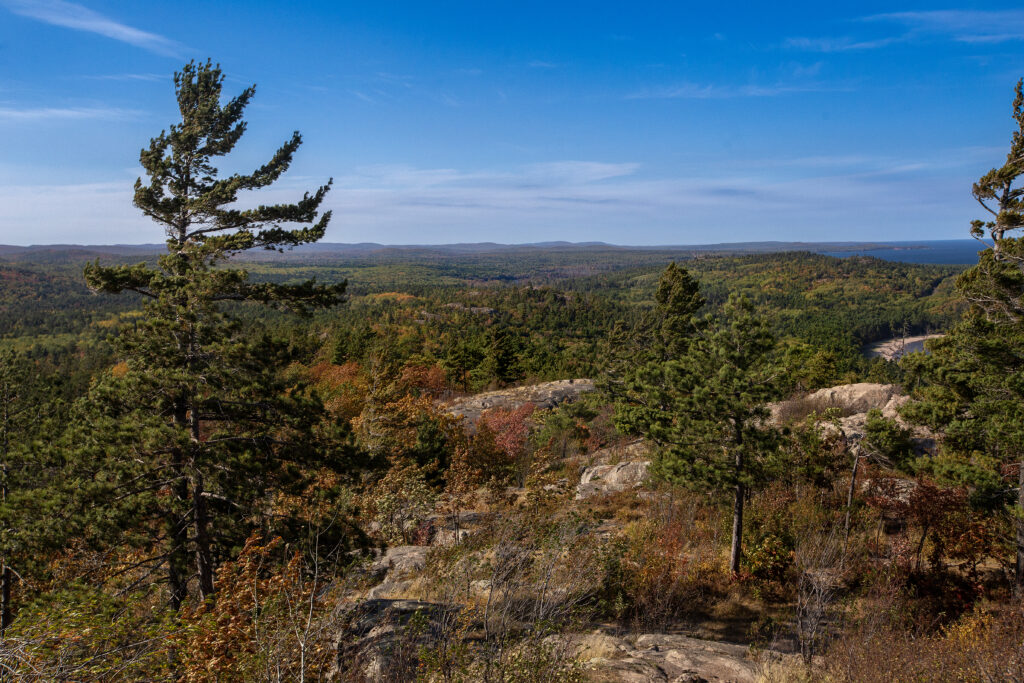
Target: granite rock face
x,y
661,657
848,399
381,638
397,567
853,401
545,395
605,479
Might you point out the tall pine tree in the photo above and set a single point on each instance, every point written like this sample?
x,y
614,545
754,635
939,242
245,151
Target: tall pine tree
x,y
973,380
185,439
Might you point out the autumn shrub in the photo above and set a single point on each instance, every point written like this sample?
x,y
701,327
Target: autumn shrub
x,y
273,619
423,379
81,633
768,559
530,572
984,645
394,425
664,566
342,387
781,518
510,429
398,503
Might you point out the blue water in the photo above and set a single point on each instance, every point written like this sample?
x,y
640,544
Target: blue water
x,y
939,251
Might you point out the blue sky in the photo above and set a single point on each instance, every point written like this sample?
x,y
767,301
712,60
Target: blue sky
x,y
630,123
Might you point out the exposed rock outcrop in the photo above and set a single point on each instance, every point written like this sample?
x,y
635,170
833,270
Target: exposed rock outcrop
x,y
397,567
454,529
640,449
661,657
605,479
848,399
853,401
545,395
382,638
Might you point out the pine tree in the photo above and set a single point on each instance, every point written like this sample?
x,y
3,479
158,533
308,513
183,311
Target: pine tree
x,y
661,334
705,406
973,379
30,502
14,411
679,299
185,439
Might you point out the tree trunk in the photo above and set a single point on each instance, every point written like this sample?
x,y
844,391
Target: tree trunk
x,y
200,514
849,509
6,578
177,524
737,512
737,530
1019,576
177,562
201,520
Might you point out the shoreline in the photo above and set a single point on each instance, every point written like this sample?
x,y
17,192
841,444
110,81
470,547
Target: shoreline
x,y
893,349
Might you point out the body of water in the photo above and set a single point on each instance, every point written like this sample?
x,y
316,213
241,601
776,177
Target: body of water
x,y
940,251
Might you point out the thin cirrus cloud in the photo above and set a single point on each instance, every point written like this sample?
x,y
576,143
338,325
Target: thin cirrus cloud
x,y
696,91
553,174
24,115
577,200
79,18
969,26
843,44
129,77
965,26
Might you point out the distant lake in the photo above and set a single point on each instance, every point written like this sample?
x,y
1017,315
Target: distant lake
x,y
939,251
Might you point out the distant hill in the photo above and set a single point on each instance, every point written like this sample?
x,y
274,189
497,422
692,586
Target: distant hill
x,y
940,251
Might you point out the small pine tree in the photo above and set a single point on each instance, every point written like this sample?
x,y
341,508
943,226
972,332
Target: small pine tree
x,y
660,335
705,408
679,299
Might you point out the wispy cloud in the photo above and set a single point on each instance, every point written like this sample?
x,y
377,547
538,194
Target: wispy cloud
x,y
614,202
697,91
801,197
548,174
965,26
79,18
841,44
359,94
806,70
580,172
130,77
63,113
969,26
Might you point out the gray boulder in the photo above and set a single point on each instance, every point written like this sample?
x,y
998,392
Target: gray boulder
x,y
606,479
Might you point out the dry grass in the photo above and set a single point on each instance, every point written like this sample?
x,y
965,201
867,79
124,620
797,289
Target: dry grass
x,y
799,409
